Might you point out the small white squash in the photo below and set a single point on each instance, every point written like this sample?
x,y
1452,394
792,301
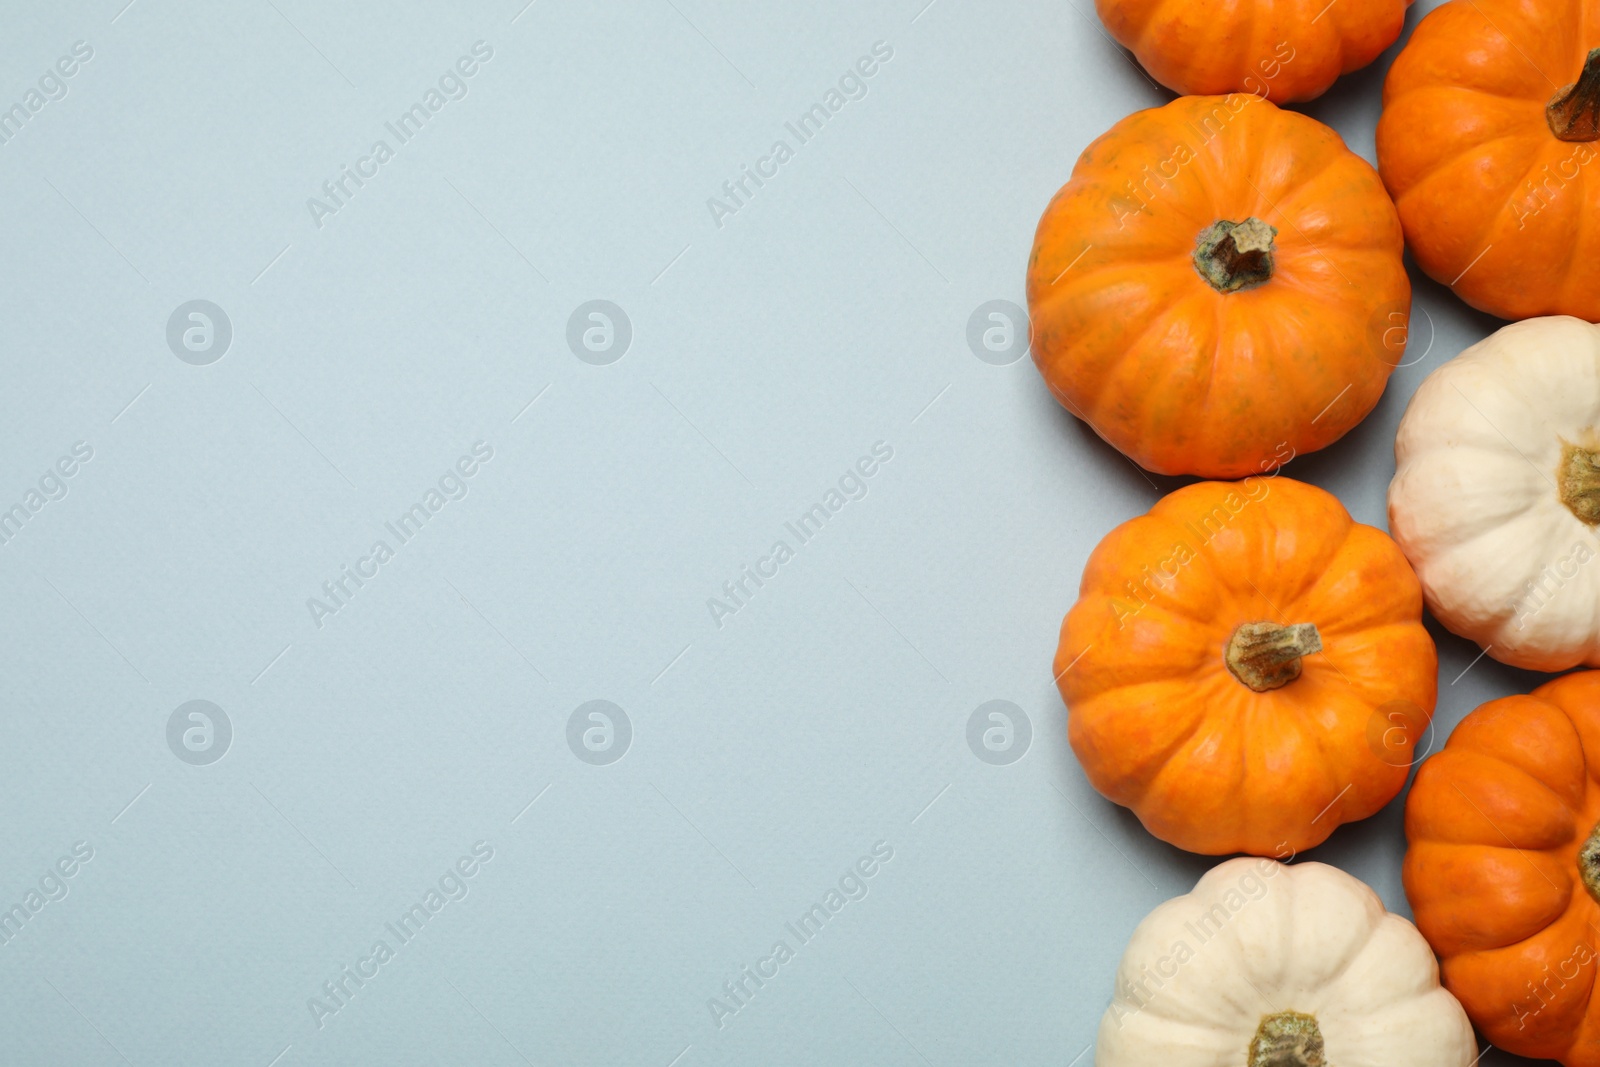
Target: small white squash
x,y
1496,493
1268,965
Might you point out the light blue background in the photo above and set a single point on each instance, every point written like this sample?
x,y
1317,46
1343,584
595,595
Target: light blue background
x,y
768,354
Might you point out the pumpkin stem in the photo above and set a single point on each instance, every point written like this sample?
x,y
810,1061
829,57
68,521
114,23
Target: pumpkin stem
x,y
1579,477
1235,255
1264,655
1287,1039
1589,863
1574,112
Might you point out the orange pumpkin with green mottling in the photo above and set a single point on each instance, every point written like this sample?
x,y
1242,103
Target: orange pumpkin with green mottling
x,y
1219,287
1246,667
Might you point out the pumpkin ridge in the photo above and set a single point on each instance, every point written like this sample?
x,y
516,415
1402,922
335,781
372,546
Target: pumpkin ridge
x,y
1441,163
1506,218
1130,386
1472,777
1583,196
1131,789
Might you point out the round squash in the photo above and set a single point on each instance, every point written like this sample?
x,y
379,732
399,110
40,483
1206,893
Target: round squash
x,y
1503,868
1246,667
1219,287
1488,140
1496,493
1269,965
1285,50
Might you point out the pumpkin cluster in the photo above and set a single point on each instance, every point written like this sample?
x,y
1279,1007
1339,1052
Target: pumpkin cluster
x,y
1219,288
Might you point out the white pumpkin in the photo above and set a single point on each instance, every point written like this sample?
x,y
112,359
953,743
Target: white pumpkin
x,y
1496,493
1273,965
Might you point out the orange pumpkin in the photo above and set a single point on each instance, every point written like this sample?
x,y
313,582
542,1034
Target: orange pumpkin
x,y
1219,287
1503,868
1283,49
1246,667
1488,142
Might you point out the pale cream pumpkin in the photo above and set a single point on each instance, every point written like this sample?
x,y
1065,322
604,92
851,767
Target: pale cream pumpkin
x,y
1274,965
1496,493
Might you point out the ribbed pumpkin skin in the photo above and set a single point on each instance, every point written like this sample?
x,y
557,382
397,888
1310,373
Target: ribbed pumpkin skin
x,y
1180,377
1163,727
1285,50
1495,822
1493,203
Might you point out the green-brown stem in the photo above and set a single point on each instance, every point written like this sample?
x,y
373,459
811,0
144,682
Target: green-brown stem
x,y
1235,255
1574,112
1579,480
1589,863
1287,1039
1265,655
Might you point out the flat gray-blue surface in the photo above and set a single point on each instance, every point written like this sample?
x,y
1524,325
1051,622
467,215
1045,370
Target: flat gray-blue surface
x,y
401,347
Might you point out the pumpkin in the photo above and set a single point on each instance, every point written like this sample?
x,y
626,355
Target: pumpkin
x,y
1246,667
1503,868
1283,49
1219,287
1491,115
1272,965
1496,493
